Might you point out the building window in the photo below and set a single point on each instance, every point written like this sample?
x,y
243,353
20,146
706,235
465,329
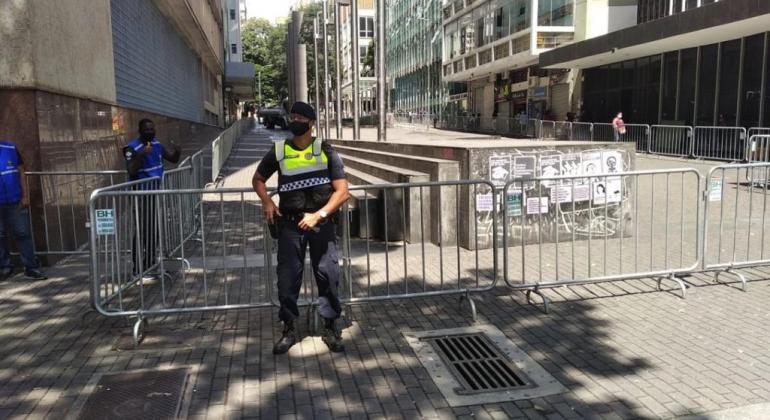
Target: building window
x,y
366,27
555,12
232,14
234,48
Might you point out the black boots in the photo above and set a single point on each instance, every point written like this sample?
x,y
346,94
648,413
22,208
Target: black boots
x,y
288,339
332,337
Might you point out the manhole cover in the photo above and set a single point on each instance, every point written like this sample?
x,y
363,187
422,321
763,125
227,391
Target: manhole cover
x,y
480,365
476,363
146,395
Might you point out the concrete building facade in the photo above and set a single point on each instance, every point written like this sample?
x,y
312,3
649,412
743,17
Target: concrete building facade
x,y
367,81
694,62
71,98
491,51
239,76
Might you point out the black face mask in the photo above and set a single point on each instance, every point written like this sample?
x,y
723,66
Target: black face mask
x,y
147,136
298,128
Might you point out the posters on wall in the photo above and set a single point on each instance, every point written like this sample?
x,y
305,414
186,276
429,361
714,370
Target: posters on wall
x,y
537,205
485,202
550,166
499,169
524,168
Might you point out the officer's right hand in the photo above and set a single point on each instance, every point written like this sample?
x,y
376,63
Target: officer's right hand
x,y
270,210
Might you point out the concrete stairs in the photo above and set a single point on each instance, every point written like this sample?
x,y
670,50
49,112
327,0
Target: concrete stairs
x,y
411,214
398,208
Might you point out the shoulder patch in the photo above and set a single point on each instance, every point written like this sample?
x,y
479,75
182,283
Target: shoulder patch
x,y
128,153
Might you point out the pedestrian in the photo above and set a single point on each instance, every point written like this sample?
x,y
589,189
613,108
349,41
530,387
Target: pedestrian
x,y
312,186
144,160
619,127
14,214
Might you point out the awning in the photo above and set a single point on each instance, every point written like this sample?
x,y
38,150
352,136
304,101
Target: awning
x,y
239,77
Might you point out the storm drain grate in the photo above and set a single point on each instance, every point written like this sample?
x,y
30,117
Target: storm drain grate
x,y
136,395
477,363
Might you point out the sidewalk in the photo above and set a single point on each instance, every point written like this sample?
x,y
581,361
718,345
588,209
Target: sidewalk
x,y
623,350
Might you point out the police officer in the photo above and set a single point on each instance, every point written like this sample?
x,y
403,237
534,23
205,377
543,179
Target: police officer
x,y
14,213
311,187
144,159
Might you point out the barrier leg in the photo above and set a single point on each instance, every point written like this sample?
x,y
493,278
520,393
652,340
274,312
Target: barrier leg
x,y
740,277
537,291
678,281
471,303
139,327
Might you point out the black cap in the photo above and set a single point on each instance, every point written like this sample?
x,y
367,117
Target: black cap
x,y
304,109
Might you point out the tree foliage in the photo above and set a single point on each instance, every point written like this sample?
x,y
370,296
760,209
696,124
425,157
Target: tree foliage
x,y
368,70
264,44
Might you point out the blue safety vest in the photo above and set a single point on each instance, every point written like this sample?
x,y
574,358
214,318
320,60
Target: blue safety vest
x,y
10,180
152,164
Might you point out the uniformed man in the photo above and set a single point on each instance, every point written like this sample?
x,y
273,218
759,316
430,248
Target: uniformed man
x,y
144,159
14,213
311,187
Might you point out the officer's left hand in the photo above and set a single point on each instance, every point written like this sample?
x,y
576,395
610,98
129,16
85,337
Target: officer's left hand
x,y
24,203
309,221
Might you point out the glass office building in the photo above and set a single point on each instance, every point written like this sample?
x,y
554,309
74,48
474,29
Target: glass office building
x,y
687,62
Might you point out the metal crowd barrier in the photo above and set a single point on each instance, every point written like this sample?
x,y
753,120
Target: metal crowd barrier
x,y
638,134
734,231
758,151
63,210
570,230
720,143
671,140
758,131
390,253
582,131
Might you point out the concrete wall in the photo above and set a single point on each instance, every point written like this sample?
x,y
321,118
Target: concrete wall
x,y
59,46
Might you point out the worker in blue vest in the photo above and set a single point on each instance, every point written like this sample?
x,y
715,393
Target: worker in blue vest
x,y
144,160
311,186
14,213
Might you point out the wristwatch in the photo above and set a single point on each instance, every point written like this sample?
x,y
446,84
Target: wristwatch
x,y
323,214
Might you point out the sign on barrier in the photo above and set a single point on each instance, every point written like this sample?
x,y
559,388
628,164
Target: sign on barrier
x,y
734,227
105,222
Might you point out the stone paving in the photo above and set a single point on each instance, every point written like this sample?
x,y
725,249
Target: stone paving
x,y
623,350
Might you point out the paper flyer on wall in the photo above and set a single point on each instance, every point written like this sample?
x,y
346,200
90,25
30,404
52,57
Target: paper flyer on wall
x,y
524,168
607,191
499,169
534,208
571,165
591,164
550,166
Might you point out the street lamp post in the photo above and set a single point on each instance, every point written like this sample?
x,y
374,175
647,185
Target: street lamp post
x,y
326,68
315,65
338,91
381,134
356,72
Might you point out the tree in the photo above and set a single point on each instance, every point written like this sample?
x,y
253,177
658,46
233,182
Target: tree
x,y
368,70
264,44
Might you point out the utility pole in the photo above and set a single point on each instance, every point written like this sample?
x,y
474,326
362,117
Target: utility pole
x,y
315,66
381,80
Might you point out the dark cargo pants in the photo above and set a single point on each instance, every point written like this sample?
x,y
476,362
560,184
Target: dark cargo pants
x,y
292,243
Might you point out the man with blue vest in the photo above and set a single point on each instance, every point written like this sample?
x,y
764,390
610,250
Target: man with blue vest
x,y
311,187
14,213
144,160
